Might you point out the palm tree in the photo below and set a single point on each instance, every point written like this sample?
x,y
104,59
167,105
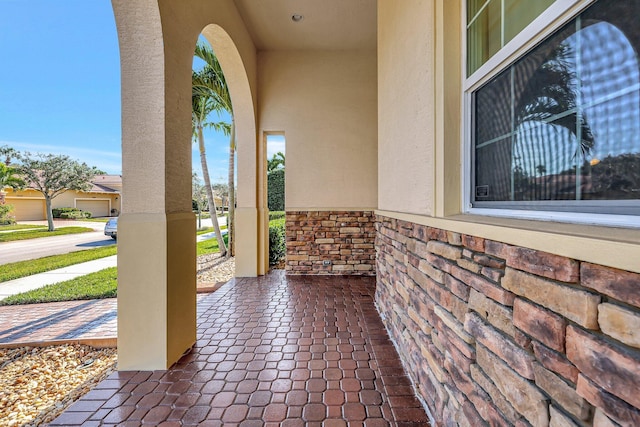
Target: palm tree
x,y
551,91
203,104
275,162
8,178
217,84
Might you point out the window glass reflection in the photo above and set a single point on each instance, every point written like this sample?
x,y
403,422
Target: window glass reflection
x,y
571,111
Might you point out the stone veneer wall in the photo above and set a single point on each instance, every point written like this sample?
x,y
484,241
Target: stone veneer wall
x,y
504,335
343,238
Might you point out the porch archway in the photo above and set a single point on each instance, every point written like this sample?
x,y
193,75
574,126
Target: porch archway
x,y
156,236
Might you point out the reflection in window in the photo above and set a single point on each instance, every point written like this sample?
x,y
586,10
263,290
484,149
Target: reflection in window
x,y
563,122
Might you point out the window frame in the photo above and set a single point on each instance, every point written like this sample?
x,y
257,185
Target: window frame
x,y
554,17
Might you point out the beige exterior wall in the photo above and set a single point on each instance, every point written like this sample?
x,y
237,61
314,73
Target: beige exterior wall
x,y
70,199
406,130
420,127
463,295
325,104
66,199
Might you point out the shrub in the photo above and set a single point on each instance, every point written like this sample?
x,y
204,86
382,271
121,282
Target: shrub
x,y
5,218
275,190
277,247
57,211
70,213
277,215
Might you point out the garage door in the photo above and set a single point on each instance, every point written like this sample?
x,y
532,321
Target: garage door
x,y
96,207
27,209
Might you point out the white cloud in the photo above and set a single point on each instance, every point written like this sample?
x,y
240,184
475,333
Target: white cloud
x,y
59,149
108,161
274,145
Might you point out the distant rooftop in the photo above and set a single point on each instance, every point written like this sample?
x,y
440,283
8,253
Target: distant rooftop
x,y
106,184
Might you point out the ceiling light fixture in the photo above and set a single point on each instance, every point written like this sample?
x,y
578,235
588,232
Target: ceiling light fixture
x,y
297,17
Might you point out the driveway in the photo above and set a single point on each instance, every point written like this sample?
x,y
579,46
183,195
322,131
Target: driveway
x,y
23,250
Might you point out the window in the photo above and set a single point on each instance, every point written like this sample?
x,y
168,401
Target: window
x,y
559,128
493,23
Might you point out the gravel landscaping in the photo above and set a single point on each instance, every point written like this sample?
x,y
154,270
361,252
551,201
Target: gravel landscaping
x,y
39,383
214,269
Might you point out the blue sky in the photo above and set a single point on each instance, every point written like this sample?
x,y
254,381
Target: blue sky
x,y
60,84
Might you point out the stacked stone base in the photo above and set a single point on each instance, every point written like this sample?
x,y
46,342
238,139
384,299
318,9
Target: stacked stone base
x,y
331,242
494,334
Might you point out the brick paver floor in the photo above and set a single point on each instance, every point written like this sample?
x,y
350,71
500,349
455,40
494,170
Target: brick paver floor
x,y
58,321
271,351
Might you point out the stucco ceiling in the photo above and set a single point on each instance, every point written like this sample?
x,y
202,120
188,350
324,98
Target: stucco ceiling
x,y
327,24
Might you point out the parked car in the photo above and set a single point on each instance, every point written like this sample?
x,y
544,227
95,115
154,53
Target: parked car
x,y
111,228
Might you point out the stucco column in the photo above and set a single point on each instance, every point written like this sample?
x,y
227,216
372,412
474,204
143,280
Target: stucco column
x,y
250,225
156,229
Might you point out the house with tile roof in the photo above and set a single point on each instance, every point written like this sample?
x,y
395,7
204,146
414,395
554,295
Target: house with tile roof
x,y
103,199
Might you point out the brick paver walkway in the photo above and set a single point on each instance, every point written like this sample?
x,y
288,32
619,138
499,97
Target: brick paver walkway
x,y
271,351
58,321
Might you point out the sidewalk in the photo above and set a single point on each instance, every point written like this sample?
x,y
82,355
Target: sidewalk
x,y
208,236
35,281
92,322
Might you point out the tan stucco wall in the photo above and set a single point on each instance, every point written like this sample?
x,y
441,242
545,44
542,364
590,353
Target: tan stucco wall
x,y
64,200
69,199
420,138
156,307
325,103
406,130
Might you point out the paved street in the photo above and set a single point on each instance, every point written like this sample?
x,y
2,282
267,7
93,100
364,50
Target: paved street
x,y
23,250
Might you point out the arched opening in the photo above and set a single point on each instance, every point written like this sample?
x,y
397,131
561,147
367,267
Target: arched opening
x,y
157,238
249,242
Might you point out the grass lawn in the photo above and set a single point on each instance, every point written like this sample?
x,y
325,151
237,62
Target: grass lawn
x,y
34,234
101,284
15,270
20,227
209,246
98,285
101,219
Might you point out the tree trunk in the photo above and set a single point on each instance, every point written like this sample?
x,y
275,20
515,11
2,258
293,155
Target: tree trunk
x,y
232,190
49,213
207,185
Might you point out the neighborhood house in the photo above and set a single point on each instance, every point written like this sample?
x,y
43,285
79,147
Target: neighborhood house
x,y
103,199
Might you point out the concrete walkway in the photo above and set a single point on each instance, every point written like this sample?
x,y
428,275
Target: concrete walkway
x,y
35,281
208,236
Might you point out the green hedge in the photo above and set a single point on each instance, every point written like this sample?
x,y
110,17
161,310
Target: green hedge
x,y
275,190
70,213
277,246
5,218
277,215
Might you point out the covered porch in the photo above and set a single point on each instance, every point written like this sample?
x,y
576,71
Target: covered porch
x,y
272,351
500,320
